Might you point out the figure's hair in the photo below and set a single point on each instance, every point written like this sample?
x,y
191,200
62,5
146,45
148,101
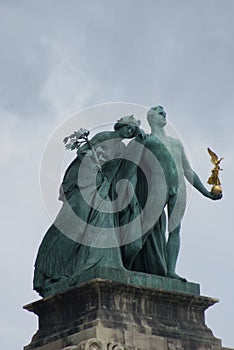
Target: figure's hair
x,y
127,120
119,125
149,116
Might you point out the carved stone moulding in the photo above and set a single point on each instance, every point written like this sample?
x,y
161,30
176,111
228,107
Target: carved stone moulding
x,y
95,344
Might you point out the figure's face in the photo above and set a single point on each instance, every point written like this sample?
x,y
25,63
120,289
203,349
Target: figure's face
x,y
127,131
159,116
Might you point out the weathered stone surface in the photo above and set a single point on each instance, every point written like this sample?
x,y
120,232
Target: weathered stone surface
x,y
103,314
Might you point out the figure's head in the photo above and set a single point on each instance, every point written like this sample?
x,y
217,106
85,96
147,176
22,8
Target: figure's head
x,y
157,116
127,126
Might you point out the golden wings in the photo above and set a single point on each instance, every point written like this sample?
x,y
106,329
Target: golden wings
x,y
214,158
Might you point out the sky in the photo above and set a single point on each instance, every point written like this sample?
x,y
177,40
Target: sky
x,y
59,58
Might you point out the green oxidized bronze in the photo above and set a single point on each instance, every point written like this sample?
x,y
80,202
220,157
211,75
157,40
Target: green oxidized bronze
x,y
114,199
61,256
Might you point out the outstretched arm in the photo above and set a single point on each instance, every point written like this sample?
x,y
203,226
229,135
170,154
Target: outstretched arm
x,y
194,179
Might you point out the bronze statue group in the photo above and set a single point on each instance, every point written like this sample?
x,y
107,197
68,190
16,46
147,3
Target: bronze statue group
x,y
114,197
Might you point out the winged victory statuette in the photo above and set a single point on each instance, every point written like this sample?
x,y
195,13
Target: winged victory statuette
x,y
214,177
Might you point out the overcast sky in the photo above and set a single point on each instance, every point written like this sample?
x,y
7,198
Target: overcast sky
x,y
58,57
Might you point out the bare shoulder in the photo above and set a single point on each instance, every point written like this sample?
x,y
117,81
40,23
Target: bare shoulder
x,y
176,142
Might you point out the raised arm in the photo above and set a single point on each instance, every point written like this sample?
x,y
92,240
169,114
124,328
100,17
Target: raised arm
x,y
194,179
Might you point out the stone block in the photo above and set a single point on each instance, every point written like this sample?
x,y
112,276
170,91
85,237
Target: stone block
x,y
111,315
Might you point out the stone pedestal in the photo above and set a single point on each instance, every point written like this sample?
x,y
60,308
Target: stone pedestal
x,y
111,315
124,276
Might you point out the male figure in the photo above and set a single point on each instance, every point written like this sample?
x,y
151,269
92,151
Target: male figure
x,y
176,199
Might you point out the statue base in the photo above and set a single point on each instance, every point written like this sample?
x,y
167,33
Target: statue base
x,y
125,276
109,315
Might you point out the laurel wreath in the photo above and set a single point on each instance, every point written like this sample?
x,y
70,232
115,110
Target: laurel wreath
x,y
76,139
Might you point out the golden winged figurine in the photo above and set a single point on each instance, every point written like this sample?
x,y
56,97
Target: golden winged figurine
x,y
214,178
